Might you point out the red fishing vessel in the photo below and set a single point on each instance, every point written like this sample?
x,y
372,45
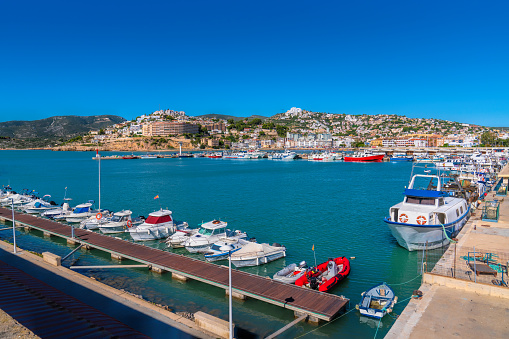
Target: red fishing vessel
x,y
365,157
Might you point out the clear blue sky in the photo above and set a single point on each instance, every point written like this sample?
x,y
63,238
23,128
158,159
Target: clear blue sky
x,y
430,59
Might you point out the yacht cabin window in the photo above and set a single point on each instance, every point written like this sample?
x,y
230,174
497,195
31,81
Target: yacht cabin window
x,y
420,201
206,231
461,209
440,201
457,213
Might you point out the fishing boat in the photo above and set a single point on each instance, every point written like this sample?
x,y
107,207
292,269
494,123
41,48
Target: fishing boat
x,y
254,254
291,273
81,212
326,275
428,215
120,222
364,157
377,301
216,155
158,225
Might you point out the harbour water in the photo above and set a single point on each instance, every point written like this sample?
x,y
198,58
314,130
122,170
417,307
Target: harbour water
x,y
337,207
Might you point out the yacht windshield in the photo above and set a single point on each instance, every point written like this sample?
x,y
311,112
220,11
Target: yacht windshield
x,y
205,231
116,218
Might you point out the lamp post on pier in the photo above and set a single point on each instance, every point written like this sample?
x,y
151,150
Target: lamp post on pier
x,y
230,311
13,226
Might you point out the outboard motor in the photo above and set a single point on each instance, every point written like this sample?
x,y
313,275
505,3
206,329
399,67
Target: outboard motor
x,y
303,264
276,245
313,283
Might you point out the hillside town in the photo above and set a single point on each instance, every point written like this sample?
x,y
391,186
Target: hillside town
x,y
295,128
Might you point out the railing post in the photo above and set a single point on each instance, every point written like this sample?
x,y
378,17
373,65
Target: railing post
x,y
454,272
475,268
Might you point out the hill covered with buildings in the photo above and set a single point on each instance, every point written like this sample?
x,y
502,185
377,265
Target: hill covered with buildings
x,y
295,128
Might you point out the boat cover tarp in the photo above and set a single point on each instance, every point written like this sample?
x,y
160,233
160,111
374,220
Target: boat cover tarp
x,y
424,193
255,249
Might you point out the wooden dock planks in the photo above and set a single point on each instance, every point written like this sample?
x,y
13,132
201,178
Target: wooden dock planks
x,y
320,305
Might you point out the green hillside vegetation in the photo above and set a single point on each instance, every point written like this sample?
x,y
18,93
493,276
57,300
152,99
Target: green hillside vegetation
x,y
51,131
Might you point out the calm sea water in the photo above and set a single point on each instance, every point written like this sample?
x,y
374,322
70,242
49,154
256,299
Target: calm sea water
x,y
337,207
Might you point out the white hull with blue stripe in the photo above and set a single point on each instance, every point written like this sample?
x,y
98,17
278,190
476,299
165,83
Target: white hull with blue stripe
x,y
428,216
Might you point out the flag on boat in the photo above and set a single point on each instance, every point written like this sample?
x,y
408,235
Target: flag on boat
x,y
156,197
312,249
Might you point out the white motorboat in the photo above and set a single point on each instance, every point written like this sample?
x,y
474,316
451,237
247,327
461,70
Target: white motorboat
x,y
209,233
177,239
158,225
220,249
428,215
286,155
81,212
120,222
95,221
324,156
39,205
254,254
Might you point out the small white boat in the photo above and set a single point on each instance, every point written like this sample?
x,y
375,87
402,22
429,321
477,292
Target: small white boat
x,y
377,301
95,221
286,155
120,222
291,273
254,254
158,225
220,249
177,239
60,212
209,233
80,213
39,205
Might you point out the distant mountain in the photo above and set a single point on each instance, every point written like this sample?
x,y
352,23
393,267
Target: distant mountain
x,y
226,117
40,133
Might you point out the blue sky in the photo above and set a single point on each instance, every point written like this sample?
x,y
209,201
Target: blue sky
x,y
429,59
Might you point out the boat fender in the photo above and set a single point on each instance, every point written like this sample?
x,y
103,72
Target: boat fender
x,y
357,307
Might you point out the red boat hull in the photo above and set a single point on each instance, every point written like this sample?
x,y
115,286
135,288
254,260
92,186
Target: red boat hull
x,y
371,158
329,284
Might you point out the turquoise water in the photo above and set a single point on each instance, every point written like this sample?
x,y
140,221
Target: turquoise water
x,y
337,207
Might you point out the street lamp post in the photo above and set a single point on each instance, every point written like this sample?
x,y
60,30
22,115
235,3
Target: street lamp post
x,y
230,292
13,226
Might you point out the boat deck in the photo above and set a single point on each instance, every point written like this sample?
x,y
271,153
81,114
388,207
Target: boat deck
x,y
319,305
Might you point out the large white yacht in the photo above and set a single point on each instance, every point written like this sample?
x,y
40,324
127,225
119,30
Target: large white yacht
x,y
427,215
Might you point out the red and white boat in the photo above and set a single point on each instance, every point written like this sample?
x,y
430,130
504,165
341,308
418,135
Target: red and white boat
x,y
365,157
326,275
215,155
